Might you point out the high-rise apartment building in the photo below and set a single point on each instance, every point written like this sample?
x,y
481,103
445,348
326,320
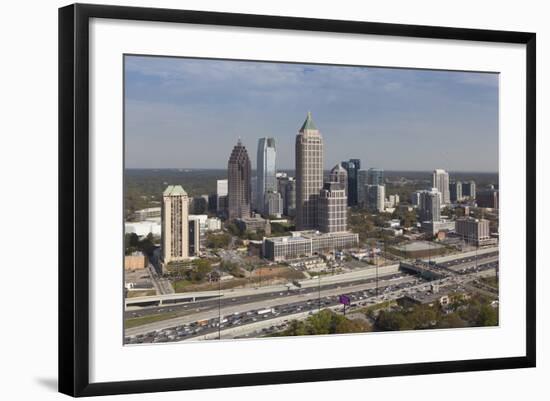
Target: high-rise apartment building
x,y
375,196
174,224
455,191
352,167
238,183
440,180
333,205
430,205
265,170
469,189
194,235
309,174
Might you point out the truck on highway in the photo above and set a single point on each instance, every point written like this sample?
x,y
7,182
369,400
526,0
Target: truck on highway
x,y
202,322
264,311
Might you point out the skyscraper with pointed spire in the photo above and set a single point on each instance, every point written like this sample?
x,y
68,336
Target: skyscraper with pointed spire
x,y
309,174
238,183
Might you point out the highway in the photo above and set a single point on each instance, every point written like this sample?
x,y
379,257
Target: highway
x,y
243,313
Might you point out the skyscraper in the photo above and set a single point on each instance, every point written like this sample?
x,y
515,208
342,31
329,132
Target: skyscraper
x,y
273,204
265,170
309,174
221,196
339,174
430,205
174,224
375,176
375,196
238,183
441,182
362,182
333,208
352,166
455,191
469,189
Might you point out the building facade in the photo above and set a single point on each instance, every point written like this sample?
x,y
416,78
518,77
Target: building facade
x,y
430,205
375,197
375,176
195,234
455,191
352,167
340,175
440,180
306,244
174,224
469,189
238,183
362,182
309,174
221,196
333,206
488,199
475,231
273,204
265,170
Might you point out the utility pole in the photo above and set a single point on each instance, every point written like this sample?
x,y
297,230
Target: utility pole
x,y
219,306
319,294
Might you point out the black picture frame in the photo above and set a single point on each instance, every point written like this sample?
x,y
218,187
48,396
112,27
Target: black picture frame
x,y
74,198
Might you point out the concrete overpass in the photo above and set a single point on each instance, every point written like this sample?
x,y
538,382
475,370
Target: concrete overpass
x,y
183,297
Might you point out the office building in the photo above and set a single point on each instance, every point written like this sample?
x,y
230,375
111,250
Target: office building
x,y
265,170
273,204
148,213
375,176
195,234
440,180
488,198
475,231
362,181
469,189
238,183
254,224
287,188
455,191
333,206
309,174
306,244
375,197
340,175
174,226
430,205
221,195
352,167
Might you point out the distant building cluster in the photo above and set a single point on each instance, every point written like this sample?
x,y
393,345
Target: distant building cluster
x,y
319,205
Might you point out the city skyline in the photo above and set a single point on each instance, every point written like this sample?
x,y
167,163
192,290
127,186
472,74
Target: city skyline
x,y
363,104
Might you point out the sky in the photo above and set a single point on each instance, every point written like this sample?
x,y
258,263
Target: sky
x,y
189,113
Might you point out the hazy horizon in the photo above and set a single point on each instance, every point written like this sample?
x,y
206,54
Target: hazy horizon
x,y
188,114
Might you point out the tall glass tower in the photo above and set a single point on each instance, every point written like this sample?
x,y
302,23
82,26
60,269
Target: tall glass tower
x,y
309,174
352,166
265,170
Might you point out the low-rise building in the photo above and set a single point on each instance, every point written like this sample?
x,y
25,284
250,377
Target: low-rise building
x,y
254,224
306,244
474,231
147,213
135,261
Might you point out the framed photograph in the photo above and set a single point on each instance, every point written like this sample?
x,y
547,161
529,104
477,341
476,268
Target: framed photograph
x,y
251,199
